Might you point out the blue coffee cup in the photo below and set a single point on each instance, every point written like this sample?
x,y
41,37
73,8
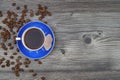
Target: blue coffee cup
x,y
48,40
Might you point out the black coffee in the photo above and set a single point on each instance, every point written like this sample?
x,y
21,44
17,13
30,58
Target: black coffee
x,y
34,38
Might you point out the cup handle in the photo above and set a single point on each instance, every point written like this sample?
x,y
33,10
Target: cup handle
x,y
18,38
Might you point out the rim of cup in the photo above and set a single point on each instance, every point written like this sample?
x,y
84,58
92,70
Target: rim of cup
x,y
23,42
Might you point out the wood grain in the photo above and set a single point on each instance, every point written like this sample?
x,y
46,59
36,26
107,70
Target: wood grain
x,y
89,33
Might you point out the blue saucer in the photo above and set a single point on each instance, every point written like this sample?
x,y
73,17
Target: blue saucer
x,y
42,52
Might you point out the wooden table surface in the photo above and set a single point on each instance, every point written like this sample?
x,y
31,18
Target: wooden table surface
x,y
87,40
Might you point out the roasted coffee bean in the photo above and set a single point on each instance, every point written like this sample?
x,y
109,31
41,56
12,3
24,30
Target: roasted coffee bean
x,y
39,62
3,59
5,53
17,60
7,64
49,13
14,53
17,74
21,69
31,70
11,47
8,61
26,66
34,74
13,4
31,13
12,63
9,44
18,8
43,78
11,57
19,57
13,68
17,49
1,14
20,63
3,66
25,6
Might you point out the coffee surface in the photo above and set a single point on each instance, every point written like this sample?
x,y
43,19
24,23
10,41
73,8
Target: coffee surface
x,y
34,38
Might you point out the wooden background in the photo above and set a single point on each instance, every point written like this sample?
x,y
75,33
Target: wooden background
x,y
87,40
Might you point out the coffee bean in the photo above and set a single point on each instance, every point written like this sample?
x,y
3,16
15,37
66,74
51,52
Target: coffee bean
x,y
19,57
5,53
3,66
43,78
39,62
21,69
49,13
14,53
11,57
17,60
18,8
9,44
31,70
1,14
20,63
26,66
12,63
3,59
7,64
13,4
0,27
25,6
17,49
17,74
34,74
31,13
8,61
13,68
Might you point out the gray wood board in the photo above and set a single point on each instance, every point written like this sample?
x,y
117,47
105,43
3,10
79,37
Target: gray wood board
x,y
88,31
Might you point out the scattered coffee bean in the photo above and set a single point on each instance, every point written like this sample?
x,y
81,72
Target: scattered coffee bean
x,y
25,6
13,4
26,66
3,59
31,13
11,47
39,62
43,78
49,13
5,53
3,66
11,57
19,57
17,74
1,14
18,8
14,53
21,69
17,49
12,63
34,74
9,44
31,70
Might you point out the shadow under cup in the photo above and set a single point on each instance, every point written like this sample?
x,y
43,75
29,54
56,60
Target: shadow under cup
x,y
33,38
